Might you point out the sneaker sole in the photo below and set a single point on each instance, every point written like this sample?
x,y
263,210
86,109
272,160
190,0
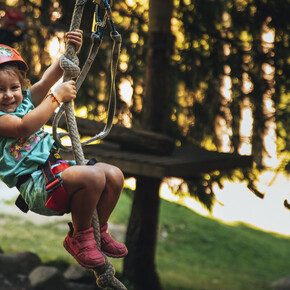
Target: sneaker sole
x,y
115,256
66,246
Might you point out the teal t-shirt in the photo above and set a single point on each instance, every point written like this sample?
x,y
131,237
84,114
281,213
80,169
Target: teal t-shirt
x,y
23,155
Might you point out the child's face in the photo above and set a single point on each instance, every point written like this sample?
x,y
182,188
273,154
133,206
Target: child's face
x,y
10,92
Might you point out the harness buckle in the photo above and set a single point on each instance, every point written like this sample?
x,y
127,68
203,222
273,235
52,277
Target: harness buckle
x,y
54,185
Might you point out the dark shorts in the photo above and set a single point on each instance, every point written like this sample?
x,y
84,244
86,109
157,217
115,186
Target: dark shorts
x,y
34,193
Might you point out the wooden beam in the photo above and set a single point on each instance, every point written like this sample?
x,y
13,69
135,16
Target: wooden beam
x,y
184,162
127,138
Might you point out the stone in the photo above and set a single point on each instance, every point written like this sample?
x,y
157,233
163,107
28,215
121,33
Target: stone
x,y
79,286
281,284
77,273
18,263
74,272
47,278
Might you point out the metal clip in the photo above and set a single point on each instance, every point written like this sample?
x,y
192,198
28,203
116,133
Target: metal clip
x,y
97,21
103,3
50,187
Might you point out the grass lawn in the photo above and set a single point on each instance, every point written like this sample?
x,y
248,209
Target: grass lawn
x,y
193,252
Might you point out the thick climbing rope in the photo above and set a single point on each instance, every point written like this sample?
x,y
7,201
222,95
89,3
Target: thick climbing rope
x,y
97,40
69,62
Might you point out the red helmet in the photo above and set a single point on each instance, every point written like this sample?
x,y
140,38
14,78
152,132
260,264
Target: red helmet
x,y
9,54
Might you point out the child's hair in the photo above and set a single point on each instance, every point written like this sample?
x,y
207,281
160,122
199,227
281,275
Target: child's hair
x,y
13,70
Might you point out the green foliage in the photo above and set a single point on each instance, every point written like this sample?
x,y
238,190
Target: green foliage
x,y
201,29
197,61
202,55
202,60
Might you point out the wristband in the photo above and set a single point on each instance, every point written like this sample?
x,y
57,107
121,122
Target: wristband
x,y
54,99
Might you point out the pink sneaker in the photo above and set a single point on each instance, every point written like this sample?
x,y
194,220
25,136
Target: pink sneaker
x,y
83,248
110,247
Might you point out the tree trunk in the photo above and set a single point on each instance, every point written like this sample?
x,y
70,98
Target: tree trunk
x,y
157,103
139,265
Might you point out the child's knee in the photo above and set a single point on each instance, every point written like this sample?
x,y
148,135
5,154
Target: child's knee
x,y
89,178
96,178
115,177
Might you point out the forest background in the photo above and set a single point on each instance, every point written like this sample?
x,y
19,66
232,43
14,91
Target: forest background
x,y
226,86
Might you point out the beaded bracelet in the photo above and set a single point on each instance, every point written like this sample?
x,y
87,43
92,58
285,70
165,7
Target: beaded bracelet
x,y
55,99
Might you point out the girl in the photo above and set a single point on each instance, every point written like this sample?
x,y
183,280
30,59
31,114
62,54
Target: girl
x,y
27,159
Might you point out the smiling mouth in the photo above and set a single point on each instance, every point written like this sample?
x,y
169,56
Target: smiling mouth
x,y
9,105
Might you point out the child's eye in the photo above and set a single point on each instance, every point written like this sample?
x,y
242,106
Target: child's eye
x,y
15,87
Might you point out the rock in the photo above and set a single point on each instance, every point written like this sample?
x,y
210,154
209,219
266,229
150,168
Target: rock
x,y
18,263
24,271
78,286
281,284
18,282
47,278
77,273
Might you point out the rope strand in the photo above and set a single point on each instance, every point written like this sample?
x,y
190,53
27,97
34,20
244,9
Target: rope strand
x,y
69,62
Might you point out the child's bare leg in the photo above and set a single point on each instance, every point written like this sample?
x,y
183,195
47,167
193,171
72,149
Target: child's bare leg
x,y
106,204
110,196
85,185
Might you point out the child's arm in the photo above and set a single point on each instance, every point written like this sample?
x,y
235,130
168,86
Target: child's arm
x,y
40,89
14,127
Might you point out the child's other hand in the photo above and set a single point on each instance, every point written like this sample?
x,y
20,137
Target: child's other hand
x,y
66,91
75,37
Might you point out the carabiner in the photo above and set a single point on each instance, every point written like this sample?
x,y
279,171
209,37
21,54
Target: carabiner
x,y
99,25
103,3
98,28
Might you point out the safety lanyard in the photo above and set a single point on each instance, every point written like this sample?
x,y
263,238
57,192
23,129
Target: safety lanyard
x,y
98,29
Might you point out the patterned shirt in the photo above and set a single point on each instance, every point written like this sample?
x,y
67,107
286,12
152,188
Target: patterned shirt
x,y
23,155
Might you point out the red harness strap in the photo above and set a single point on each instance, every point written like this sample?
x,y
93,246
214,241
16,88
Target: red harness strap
x,y
59,198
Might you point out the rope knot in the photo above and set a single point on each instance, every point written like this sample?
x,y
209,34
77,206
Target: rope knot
x,y
70,66
105,277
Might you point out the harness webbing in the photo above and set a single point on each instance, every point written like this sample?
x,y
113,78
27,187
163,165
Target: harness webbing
x,y
97,36
59,198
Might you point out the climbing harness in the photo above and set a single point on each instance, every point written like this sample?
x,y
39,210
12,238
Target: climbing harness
x,y
58,198
98,28
69,62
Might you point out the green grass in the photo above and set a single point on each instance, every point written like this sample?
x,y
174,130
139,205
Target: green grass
x,y
193,252
203,253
